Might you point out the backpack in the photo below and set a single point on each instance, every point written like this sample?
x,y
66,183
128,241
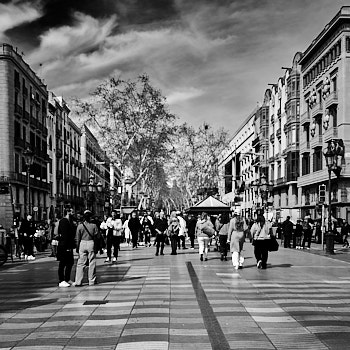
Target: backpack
x,y
239,224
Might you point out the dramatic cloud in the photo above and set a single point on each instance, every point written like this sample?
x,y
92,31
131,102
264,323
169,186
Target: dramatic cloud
x,y
212,58
14,14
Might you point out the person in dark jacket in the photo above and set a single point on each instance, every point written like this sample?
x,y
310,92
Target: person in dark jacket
x,y
26,232
287,228
135,227
298,234
66,244
191,229
160,226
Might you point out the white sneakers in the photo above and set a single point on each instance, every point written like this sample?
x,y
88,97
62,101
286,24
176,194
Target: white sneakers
x,y
64,284
107,260
29,257
114,259
259,264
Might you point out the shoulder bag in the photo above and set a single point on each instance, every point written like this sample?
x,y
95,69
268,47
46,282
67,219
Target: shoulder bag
x,y
94,238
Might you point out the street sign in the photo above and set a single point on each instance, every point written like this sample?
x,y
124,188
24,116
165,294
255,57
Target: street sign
x,y
35,208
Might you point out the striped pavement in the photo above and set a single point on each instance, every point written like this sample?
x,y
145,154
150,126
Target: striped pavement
x,y
301,301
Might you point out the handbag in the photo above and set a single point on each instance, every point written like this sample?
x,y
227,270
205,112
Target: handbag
x,y
272,244
209,231
95,239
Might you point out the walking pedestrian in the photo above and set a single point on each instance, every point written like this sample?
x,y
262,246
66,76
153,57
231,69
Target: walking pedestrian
x,y
173,232
182,231
261,231
307,232
222,226
236,239
160,226
27,231
135,227
204,231
298,234
66,244
191,229
146,228
287,227
86,233
127,232
345,229
114,236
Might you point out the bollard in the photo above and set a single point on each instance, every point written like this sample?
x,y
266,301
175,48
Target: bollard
x,y
329,243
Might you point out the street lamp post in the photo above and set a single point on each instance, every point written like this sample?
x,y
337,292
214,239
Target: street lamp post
x,y
91,188
264,188
28,159
334,154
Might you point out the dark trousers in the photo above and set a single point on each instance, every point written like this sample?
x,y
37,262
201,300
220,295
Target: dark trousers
x,y
160,239
174,241
113,241
65,265
261,251
135,236
307,238
147,237
192,240
287,239
181,241
223,244
28,245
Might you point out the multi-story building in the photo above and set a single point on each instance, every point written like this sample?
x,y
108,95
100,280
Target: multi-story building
x,y
235,168
284,141
65,167
23,101
325,107
96,176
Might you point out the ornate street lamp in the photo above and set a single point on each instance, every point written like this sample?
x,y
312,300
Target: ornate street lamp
x,y
334,154
263,187
90,190
29,160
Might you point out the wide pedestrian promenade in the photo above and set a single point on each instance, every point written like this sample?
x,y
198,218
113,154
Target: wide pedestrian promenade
x,y
302,301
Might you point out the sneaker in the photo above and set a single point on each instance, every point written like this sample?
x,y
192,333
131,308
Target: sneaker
x,y
156,254
114,259
259,264
107,260
64,284
71,282
74,284
31,257
26,257
206,259
192,247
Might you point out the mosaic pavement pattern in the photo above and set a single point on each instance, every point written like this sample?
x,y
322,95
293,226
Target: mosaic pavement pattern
x,y
301,301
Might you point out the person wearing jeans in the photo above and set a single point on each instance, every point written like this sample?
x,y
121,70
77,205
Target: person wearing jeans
x,y
86,232
222,226
114,233
160,226
261,231
204,230
66,244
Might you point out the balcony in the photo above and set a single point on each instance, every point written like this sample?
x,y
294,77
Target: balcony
x,y
19,143
304,146
272,119
74,180
305,118
330,133
280,181
256,161
33,122
317,110
18,111
59,175
12,177
316,141
66,178
332,99
26,117
278,132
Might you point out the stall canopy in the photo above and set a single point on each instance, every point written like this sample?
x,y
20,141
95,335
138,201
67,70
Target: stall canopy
x,y
209,205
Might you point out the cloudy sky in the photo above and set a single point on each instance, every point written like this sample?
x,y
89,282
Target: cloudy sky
x,y
212,59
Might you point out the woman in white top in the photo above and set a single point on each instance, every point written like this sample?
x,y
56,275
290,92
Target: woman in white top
x,y
261,231
127,232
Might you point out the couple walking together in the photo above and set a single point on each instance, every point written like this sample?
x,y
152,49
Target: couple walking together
x,y
83,240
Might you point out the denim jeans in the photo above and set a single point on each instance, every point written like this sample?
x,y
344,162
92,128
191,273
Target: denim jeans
x,y
203,243
86,254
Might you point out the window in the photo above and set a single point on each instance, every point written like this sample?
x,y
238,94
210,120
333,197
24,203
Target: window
x,y
317,159
17,163
24,133
17,130
305,164
32,140
279,170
